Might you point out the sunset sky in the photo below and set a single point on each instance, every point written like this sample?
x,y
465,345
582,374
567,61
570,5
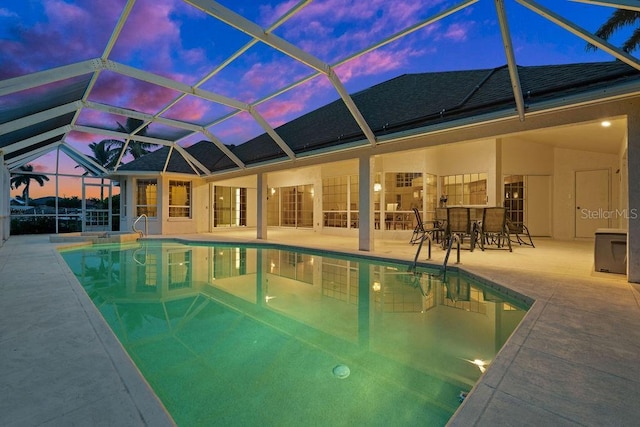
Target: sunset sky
x,y
174,39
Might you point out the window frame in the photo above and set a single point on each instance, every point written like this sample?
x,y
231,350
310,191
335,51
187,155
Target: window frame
x,y
145,209
180,208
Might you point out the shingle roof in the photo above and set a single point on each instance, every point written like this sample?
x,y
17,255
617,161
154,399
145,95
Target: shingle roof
x,y
418,100
204,151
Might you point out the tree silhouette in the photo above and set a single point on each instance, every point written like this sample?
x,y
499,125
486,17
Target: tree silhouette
x,y
25,178
106,155
618,20
135,148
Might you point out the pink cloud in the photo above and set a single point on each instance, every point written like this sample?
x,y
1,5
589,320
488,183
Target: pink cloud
x,y
151,36
114,89
84,138
262,74
458,31
269,14
292,104
54,41
190,109
376,62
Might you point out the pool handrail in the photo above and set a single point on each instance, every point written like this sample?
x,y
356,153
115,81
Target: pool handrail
x,y
146,225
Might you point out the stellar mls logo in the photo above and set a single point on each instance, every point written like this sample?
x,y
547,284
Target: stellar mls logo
x,y
609,214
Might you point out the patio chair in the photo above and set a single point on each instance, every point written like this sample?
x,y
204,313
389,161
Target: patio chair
x,y
418,231
440,224
518,231
459,227
493,229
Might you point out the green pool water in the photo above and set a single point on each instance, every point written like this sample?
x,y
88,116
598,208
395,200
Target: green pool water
x,y
240,335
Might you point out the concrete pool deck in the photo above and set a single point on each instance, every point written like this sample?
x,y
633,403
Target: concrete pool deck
x,y
572,361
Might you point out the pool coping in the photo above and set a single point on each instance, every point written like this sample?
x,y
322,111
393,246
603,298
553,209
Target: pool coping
x,y
572,359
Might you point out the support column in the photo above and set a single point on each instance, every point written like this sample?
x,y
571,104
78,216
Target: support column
x,y
261,220
365,191
499,181
633,217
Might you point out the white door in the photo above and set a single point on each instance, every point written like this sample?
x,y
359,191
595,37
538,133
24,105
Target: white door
x,y
592,201
538,209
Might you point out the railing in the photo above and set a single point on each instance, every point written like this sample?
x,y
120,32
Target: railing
x,y
135,256
146,225
429,238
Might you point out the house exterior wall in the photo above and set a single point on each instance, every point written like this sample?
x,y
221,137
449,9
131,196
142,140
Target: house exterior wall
x,y
522,157
469,157
566,163
200,207
633,227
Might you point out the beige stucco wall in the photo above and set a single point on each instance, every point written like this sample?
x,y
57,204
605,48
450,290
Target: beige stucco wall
x,y
521,157
566,163
468,157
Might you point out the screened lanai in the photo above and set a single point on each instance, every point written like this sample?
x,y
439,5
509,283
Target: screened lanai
x,y
143,75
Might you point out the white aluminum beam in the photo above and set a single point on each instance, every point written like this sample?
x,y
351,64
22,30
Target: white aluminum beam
x,y
40,78
582,33
273,134
29,156
242,24
511,61
284,18
390,39
82,159
25,143
166,162
224,149
619,4
192,160
169,122
116,134
290,13
142,116
42,116
172,84
351,106
118,29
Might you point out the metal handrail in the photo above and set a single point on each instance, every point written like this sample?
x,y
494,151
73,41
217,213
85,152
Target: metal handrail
x,y
146,225
135,257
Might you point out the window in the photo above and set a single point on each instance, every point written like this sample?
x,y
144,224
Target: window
x,y
273,206
179,270
179,199
514,198
147,197
291,206
230,206
467,189
403,191
340,201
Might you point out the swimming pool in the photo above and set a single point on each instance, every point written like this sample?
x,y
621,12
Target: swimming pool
x,y
247,335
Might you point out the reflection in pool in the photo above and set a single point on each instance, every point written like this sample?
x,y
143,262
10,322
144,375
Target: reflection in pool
x,y
241,335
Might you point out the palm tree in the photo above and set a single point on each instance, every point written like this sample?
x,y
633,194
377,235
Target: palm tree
x,y
104,153
135,148
106,156
619,19
24,178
